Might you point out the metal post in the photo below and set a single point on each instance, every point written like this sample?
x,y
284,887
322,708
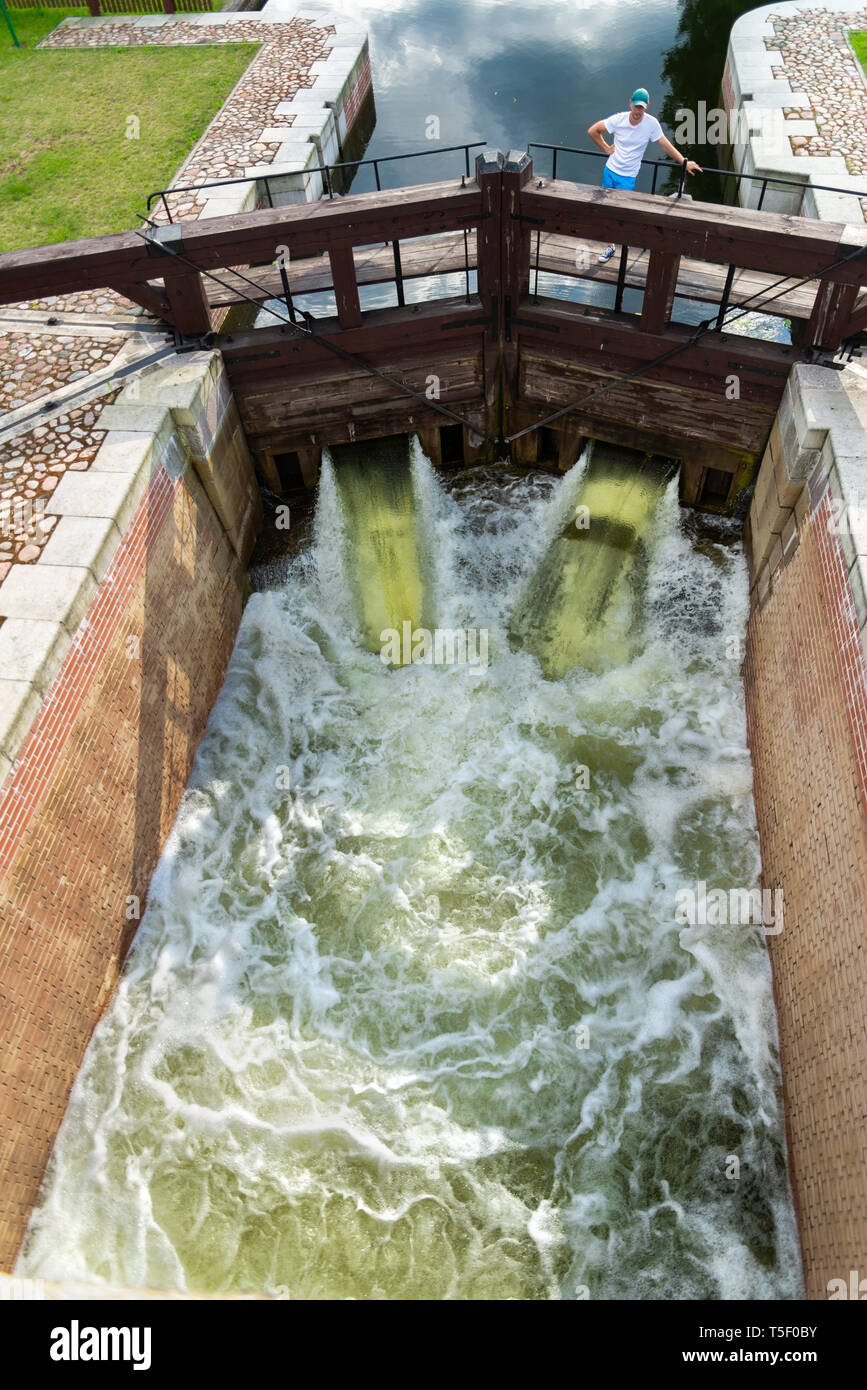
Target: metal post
x,y
682,179
166,206
621,279
287,293
327,174
9,23
467,160
724,302
655,172
398,273
554,165
268,192
376,175
467,262
762,195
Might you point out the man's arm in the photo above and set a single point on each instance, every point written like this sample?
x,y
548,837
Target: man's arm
x,y
597,135
670,149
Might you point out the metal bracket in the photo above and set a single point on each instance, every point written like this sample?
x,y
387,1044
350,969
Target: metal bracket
x,y
757,371
489,321
164,241
524,323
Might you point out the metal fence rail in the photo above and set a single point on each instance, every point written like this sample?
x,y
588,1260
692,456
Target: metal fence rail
x,y
325,169
657,164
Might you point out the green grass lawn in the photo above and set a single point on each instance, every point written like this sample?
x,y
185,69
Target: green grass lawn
x,y
68,167
859,43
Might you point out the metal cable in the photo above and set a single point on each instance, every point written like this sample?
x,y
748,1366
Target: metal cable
x,y
704,327
305,332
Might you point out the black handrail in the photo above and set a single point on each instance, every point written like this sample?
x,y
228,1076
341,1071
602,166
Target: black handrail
x,y
657,164
325,169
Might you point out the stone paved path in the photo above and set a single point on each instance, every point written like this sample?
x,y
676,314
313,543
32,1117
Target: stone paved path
x,y
34,364
818,61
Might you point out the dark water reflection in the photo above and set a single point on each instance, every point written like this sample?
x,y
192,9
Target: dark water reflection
x,y
509,72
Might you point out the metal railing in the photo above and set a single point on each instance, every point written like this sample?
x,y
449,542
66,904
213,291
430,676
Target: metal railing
x,y
325,169
657,164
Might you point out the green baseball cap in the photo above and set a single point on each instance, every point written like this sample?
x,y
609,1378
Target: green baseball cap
x,y
641,97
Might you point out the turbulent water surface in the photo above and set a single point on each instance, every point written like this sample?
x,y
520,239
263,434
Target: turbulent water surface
x,y
409,1014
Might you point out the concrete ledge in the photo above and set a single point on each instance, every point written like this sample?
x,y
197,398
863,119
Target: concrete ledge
x,y
19,706
751,84
818,445
48,593
90,541
110,495
31,650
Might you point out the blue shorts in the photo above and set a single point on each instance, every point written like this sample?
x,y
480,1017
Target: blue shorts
x,y
610,180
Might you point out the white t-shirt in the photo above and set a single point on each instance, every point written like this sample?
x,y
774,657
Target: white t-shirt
x,y
630,142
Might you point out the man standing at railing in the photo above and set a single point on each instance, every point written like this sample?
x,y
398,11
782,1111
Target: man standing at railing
x,y
632,131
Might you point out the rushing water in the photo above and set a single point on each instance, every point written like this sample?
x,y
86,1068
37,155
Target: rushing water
x,y
409,1014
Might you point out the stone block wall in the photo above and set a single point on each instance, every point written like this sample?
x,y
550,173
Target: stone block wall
x,y
113,649
806,694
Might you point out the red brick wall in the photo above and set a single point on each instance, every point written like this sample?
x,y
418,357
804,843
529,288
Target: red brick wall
x,y
361,87
88,805
807,718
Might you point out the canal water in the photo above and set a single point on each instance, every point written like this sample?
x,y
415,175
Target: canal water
x,y
411,1014
508,72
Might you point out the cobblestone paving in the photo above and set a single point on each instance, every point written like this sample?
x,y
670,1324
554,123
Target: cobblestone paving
x,y
34,364
277,73
818,60
32,465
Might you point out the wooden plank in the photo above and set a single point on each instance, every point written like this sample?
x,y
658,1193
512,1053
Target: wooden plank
x,y
345,286
187,300
437,255
149,298
560,322
756,240
659,291
699,280
243,238
489,268
649,407
572,258
831,313
857,321
337,396
395,332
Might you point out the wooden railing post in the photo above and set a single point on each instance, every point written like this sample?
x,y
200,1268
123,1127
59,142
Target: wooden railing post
x,y
489,166
517,172
185,292
515,239
659,289
827,325
489,278
345,286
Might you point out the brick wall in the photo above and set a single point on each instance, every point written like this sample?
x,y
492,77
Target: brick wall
x,y
806,696
89,803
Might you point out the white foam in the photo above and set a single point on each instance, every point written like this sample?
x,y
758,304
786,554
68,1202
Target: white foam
x,y
344,1057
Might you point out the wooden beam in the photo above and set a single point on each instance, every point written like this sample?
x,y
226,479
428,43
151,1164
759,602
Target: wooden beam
x,y
768,241
187,300
857,321
244,238
150,299
831,313
345,286
659,291
489,165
